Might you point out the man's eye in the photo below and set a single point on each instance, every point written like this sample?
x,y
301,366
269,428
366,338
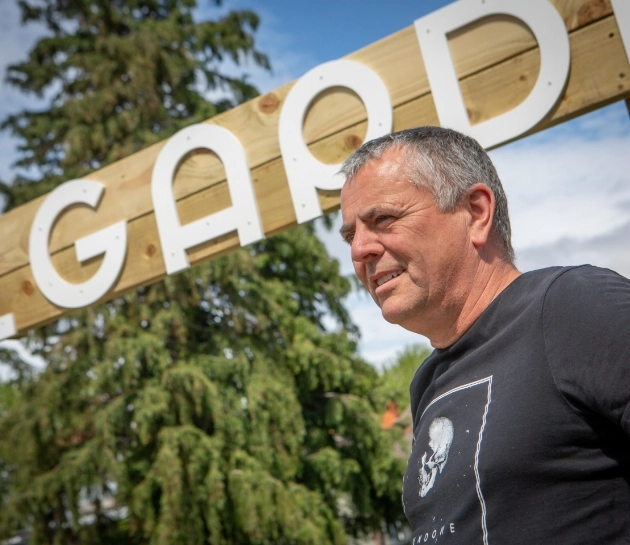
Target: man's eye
x,y
383,219
348,238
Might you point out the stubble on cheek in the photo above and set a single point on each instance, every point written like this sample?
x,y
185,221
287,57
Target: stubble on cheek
x,y
361,272
375,299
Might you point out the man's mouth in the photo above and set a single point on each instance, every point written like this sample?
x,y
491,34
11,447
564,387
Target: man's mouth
x,y
383,279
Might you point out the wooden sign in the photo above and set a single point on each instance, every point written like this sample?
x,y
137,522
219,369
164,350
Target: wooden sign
x,y
498,62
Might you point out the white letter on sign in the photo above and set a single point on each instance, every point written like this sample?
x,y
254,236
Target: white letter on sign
x,y
306,174
555,57
622,14
7,326
111,241
242,216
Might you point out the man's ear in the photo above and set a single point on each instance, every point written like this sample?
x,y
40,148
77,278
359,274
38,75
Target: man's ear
x,y
479,203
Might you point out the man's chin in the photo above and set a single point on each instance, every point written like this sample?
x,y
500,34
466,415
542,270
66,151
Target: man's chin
x,y
405,317
393,316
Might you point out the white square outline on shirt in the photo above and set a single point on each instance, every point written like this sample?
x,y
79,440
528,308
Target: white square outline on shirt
x,y
483,425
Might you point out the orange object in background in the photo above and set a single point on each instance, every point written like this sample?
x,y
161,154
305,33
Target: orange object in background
x,y
391,414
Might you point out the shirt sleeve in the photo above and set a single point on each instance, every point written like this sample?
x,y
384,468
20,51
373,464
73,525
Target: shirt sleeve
x,y
586,322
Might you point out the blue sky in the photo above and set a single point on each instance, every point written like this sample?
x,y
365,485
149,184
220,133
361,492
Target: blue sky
x,y
568,187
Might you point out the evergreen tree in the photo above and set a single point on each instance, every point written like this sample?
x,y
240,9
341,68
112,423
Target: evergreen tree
x,y
213,407
121,75
396,377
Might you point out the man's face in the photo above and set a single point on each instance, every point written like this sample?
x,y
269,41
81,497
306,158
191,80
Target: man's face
x,y
406,252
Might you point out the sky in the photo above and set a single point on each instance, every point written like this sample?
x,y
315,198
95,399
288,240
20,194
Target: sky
x,y
568,187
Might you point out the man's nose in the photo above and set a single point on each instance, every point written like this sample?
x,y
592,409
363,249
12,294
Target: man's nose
x,y
365,245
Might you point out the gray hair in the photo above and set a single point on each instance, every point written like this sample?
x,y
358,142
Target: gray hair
x,y
445,162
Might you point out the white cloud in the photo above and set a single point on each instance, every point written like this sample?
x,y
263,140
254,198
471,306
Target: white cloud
x,y
609,250
569,191
6,371
570,183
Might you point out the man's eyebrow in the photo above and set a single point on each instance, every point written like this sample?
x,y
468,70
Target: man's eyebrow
x,y
345,230
370,213
367,215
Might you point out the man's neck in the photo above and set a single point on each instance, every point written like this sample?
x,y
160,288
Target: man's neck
x,y
487,283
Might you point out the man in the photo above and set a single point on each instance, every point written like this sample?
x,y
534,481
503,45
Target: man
x,y
522,413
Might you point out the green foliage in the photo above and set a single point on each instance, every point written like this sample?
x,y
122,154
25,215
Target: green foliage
x,y
396,378
121,75
212,407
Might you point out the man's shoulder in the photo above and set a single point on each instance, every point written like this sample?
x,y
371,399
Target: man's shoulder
x,y
587,303
538,280
587,284
584,274
586,319
547,276
577,284
527,291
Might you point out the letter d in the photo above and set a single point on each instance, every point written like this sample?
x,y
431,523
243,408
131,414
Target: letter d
x,y
555,57
622,14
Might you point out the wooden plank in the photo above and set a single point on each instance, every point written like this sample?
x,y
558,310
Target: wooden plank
x,y
396,59
599,76
598,59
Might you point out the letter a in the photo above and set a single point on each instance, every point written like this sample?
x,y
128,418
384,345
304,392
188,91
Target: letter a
x,y
306,174
242,217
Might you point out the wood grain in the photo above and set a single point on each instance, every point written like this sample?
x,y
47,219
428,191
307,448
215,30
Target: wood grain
x,y
396,59
497,61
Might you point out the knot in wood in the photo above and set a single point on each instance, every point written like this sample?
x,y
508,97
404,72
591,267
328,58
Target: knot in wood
x,y
353,141
593,11
268,103
27,288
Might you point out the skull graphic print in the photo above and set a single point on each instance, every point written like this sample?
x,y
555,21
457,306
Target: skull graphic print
x,y
440,439
443,469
